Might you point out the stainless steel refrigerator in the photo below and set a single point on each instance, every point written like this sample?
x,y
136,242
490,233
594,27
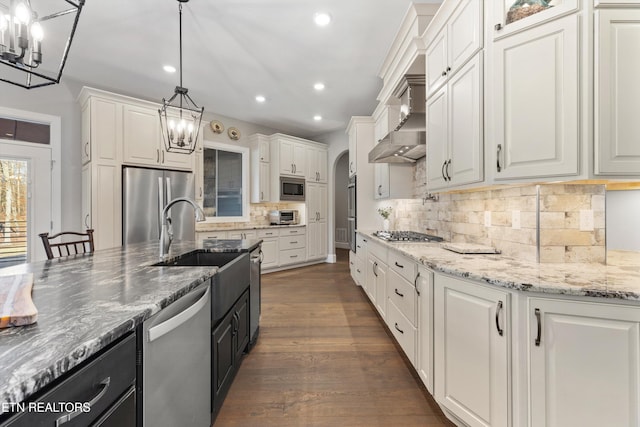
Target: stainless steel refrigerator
x,y
145,194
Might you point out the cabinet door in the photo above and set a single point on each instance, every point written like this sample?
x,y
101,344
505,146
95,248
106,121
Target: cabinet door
x,y
222,353
241,314
313,236
381,181
617,92
141,136
313,202
312,164
585,368
437,144
264,150
106,213
352,151
264,185
472,351
424,291
465,132
370,278
536,86
86,196
322,166
270,253
380,274
299,160
285,149
464,33
198,176
436,59
180,161
321,202
501,26
106,130
86,133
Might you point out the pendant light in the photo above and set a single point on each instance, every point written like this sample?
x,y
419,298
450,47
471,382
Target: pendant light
x,y
180,117
32,56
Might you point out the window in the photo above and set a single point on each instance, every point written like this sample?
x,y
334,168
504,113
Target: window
x,y
226,182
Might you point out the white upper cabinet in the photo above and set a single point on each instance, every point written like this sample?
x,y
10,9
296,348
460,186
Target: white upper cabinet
x,y
458,40
617,92
316,164
353,147
536,98
293,158
584,364
455,130
506,20
260,169
143,144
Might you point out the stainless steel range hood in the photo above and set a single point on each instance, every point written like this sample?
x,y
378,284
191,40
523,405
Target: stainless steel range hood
x,y
407,142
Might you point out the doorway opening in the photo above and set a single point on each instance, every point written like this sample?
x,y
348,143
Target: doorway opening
x,y
341,201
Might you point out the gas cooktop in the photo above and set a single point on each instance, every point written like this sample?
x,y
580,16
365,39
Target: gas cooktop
x,y
406,236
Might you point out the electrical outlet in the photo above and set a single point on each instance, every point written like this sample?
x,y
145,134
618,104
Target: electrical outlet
x,y
487,218
586,220
515,220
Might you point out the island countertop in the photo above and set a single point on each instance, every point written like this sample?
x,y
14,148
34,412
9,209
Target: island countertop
x,y
86,302
618,280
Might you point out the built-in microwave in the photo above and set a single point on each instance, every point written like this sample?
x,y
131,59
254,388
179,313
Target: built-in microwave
x,y
292,189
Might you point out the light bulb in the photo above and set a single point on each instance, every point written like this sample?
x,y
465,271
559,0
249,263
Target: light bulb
x,y
172,125
190,128
23,14
36,31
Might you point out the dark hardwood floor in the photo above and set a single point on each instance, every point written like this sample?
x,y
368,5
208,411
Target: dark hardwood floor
x,y
324,358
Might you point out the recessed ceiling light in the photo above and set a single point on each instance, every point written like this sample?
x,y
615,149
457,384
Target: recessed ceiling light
x,y
318,86
322,19
169,68
317,118
260,98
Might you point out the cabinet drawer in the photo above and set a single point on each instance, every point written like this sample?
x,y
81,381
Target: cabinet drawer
x,y
293,242
269,232
241,234
403,295
379,251
292,231
406,267
403,331
360,270
361,244
292,256
203,235
104,380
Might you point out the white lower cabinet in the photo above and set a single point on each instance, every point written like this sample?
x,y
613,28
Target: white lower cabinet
x,y
270,247
471,351
584,364
424,356
241,234
376,278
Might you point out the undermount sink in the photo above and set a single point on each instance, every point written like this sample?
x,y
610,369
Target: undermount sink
x,y
229,282
199,258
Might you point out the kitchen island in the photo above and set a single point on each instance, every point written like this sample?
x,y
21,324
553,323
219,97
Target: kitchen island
x,y
87,302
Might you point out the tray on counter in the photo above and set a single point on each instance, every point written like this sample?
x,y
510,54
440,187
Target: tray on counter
x,y
470,248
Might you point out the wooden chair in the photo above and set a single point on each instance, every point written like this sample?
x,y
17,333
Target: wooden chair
x,y
66,248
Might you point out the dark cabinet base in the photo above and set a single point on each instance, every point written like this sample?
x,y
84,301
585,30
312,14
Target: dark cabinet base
x,y
230,340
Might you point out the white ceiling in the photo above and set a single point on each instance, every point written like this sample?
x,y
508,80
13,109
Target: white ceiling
x,y
237,49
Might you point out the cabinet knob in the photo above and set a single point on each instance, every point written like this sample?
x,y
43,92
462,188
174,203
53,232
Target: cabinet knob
x,y
498,27
444,73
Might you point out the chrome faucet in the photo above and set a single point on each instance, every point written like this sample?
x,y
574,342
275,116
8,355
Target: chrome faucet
x,y
166,235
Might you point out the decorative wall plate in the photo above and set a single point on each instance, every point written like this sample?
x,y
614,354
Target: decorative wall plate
x,y
216,126
234,134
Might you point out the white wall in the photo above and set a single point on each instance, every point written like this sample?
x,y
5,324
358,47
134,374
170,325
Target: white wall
x,y
623,220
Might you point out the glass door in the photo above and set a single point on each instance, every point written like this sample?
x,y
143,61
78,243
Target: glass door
x,y
13,211
512,16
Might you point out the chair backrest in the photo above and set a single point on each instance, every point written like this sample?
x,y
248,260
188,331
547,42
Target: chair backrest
x,y
83,245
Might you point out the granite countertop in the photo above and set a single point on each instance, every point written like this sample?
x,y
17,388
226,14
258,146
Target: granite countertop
x,y
86,302
216,226
619,279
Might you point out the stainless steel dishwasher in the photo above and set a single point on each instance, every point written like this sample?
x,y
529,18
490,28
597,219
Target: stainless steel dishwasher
x,y
176,371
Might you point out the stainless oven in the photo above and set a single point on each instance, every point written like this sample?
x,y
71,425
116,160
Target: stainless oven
x,y
292,189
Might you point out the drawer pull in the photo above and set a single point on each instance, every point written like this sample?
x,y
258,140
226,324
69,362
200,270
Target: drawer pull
x,y
415,284
539,335
399,265
104,386
359,247
498,310
398,293
398,329
375,269
358,270
293,256
293,243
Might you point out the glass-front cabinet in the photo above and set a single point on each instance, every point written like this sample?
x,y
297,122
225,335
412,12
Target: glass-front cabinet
x,y
511,16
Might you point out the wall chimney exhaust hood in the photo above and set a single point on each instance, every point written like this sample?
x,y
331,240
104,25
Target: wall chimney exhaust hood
x,y
407,142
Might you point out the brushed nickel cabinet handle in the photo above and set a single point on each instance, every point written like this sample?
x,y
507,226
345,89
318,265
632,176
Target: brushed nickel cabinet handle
x,y
415,283
398,329
498,154
157,156
398,293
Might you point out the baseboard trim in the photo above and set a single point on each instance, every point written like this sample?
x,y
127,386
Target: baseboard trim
x,y
342,245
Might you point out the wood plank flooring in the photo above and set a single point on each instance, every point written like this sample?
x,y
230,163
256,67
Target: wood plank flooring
x,y
324,358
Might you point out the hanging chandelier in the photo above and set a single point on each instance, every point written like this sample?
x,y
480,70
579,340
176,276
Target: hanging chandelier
x,y
180,117
25,40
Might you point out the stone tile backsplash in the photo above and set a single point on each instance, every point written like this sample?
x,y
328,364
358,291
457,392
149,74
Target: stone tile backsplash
x,y
258,216
571,221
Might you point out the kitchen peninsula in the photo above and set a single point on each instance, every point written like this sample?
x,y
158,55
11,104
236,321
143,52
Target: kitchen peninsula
x,y
89,303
